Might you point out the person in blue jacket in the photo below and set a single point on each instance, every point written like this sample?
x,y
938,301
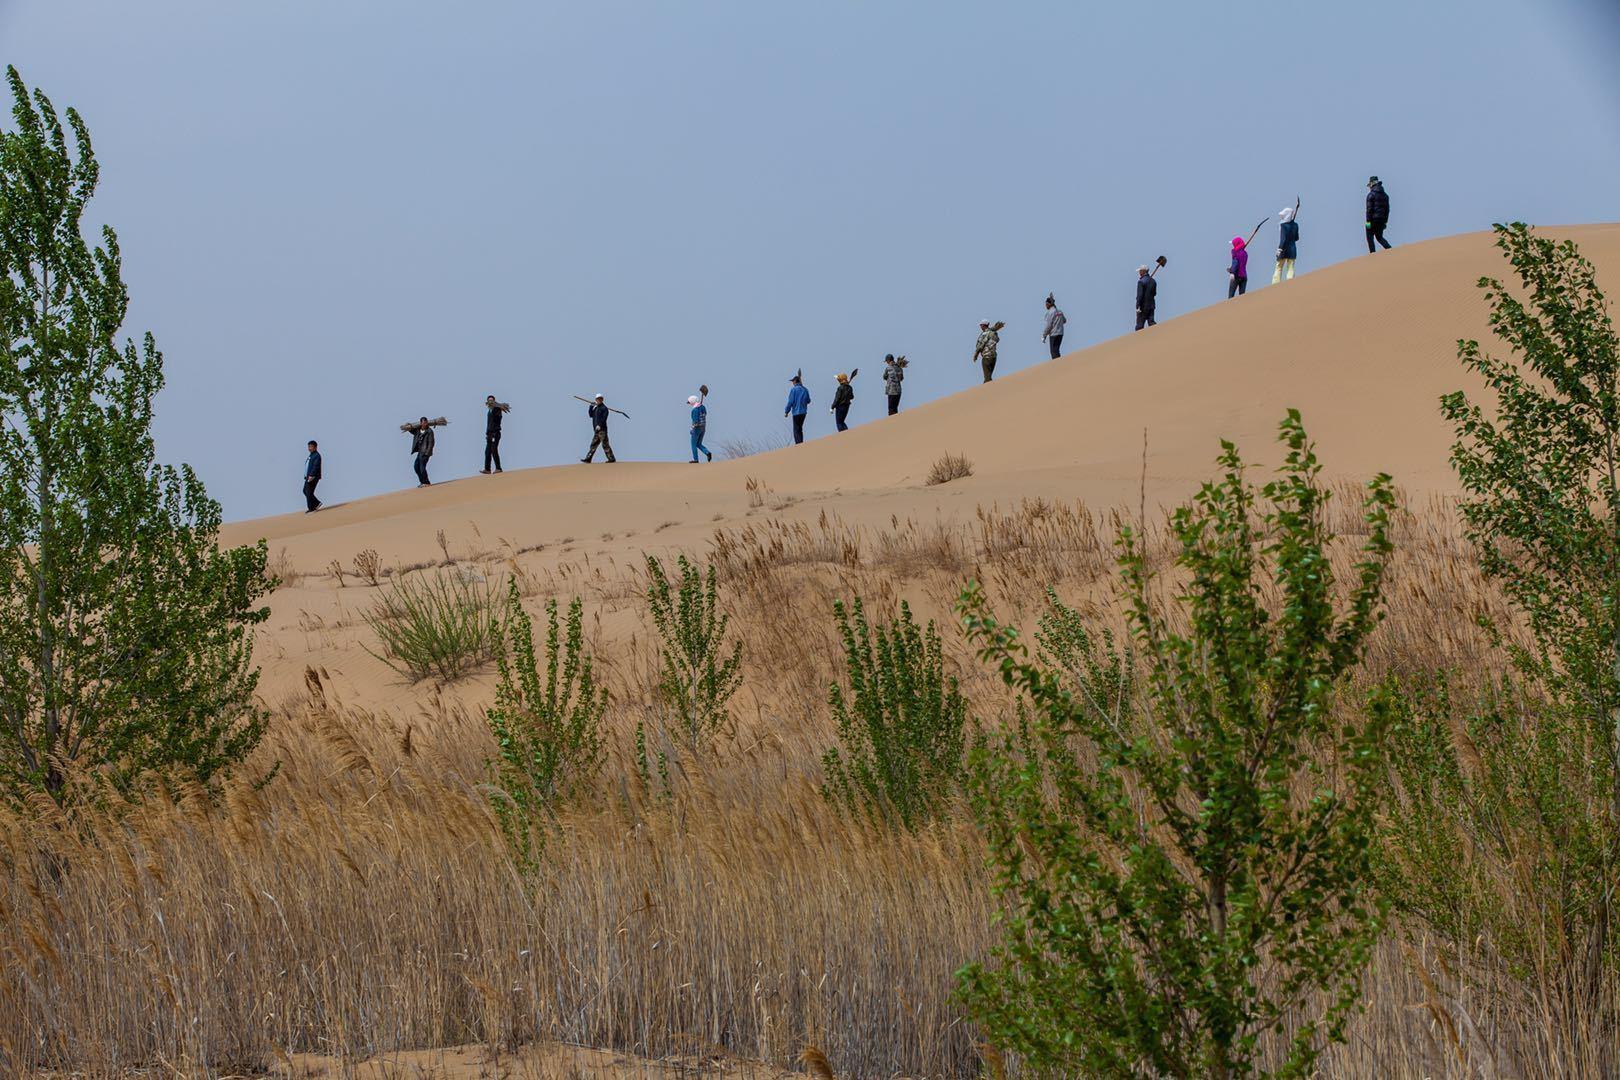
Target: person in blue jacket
x,y
700,423
312,477
798,403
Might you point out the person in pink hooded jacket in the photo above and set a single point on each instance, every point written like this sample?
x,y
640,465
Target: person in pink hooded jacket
x,y
1238,272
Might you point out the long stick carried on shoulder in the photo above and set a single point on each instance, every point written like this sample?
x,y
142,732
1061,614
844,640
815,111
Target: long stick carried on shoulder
x,y
605,405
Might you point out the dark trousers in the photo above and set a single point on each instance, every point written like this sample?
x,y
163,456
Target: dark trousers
x,y
1056,341
421,469
988,363
798,428
309,492
840,414
1145,318
894,404
492,451
1237,287
599,438
1375,231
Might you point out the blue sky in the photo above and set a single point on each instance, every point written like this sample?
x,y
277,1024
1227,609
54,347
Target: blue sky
x,y
340,215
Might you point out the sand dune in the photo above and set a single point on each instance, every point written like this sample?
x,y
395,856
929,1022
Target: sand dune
x,y
1364,349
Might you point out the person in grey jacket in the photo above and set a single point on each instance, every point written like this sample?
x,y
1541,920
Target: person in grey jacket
x,y
894,373
1053,334
422,447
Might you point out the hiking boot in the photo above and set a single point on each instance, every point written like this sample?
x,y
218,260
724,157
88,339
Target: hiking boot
x,y
587,461
709,455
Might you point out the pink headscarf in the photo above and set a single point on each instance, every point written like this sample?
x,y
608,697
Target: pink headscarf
x,y
1237,242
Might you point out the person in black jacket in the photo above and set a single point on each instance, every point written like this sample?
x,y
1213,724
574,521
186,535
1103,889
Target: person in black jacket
x,y
1377,213
843,398
422,447
598,412
1147,291
492,432
312,476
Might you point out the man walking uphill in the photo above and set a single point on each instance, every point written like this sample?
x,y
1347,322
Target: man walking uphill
x,y
1377,213
422,447
598,412
798,403
312,476
1147,292
985,351
894,373
1053,334
492,432
843,398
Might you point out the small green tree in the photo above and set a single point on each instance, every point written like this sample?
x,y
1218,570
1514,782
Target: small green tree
x,y
698,674
125,632
903,725
1524,775
548,730
1186,870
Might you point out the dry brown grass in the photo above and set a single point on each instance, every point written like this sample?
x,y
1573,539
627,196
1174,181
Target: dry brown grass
x,y
948,468
361,902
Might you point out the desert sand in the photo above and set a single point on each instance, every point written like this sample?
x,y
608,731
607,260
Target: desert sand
x,y
1363,349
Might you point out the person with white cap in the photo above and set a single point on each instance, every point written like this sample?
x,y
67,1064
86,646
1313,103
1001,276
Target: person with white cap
x,y
985,351
598,412
700,423
1287,245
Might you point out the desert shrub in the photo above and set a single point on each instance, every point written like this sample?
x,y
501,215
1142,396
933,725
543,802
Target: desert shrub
x,y
440,626
901,728
1186,869
126,630
748,445
547,728
1524,775
368,565
948,468
699,674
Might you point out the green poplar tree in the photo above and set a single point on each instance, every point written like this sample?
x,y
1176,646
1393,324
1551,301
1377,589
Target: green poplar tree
x,y
125,632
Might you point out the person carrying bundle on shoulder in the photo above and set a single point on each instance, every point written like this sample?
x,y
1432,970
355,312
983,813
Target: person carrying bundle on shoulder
x,y
894,373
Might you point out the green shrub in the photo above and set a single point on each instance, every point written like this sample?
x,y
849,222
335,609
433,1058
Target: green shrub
x,y
1186,868
902,726
548,729
1524,776
126,629
698,674
440,626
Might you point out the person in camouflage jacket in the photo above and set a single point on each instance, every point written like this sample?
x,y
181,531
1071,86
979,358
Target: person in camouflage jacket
x,y
985,351
894,373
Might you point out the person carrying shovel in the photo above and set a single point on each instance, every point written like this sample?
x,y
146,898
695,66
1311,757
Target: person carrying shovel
x,y
700,424
598,412
984,351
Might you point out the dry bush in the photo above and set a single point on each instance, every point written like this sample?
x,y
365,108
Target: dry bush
x,y
280,569
948,468
748,445
362,901
368,565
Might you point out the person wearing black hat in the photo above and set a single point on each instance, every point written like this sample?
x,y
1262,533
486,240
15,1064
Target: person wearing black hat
x,y
1377,214
798,403
894,373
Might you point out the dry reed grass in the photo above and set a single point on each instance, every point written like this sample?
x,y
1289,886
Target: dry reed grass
x,y
362,903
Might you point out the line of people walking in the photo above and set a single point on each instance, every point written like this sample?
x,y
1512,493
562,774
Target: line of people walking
x,y
797,406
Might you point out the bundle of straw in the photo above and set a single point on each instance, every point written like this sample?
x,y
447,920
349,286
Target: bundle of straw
x,y
412,425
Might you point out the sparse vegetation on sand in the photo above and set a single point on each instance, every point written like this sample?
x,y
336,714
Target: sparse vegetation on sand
x,y
949,467
440,624
1188,815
